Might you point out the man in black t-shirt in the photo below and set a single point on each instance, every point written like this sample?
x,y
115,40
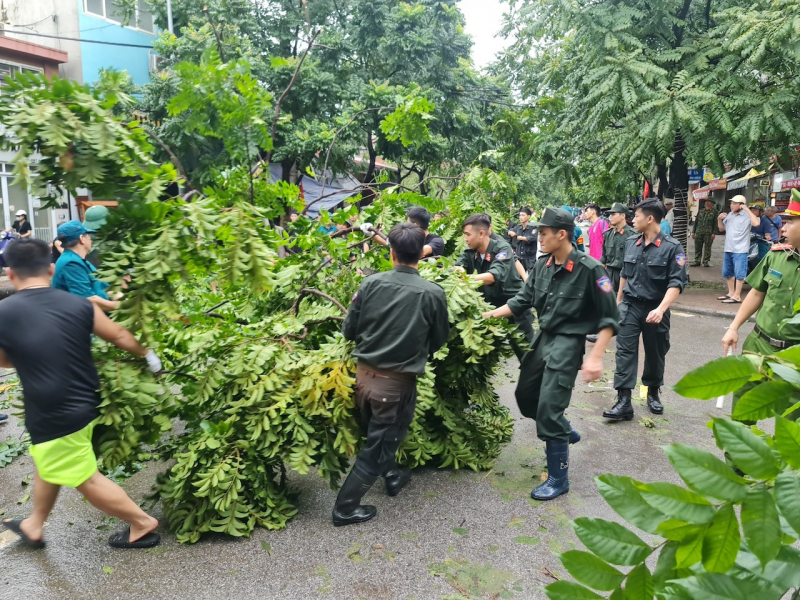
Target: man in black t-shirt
x,y
22,227
434,244
59,382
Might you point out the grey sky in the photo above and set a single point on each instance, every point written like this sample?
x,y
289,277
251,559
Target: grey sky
x,y
484,19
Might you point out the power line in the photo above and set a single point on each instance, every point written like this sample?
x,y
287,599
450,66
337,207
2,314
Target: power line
x,y
71,39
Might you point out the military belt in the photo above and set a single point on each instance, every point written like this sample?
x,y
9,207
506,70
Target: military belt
x,y
779,344
365,370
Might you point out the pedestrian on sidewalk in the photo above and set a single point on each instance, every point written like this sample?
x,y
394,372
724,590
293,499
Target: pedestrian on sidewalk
x,y
614,243
704,233
397,320
573,297
736,226
59,382
653,276
770,213
669,205
596,230
775,284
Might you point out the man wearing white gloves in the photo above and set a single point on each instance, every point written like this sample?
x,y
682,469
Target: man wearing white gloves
x,y
60,393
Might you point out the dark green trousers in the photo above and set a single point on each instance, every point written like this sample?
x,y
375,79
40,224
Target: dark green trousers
x,y
547,376
655,338
613,275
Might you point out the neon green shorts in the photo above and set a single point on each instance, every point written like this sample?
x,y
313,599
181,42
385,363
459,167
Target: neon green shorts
x,y
67,460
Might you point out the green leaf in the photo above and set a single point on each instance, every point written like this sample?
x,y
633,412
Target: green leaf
x,y
717,586
639,584
787,441
591,570
666,566
748,451
678,531
690,551
611,541
717,378
787,496
786,373
566,590
780,574
762,529
623,496
721,541
677,502
763,401
705,473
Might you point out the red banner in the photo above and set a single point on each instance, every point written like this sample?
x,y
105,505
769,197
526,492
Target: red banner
x,y
790,183
701,193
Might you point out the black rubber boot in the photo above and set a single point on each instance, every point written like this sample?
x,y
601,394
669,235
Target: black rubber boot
x,y
348,508
557,467
395,479
653,401
592,339
3,417
574,436
623,409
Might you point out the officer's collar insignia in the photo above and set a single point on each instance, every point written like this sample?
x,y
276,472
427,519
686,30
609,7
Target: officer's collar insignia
x,y
657,242
604,283
549,261
488,257
784,247
680,259
639,242
569,266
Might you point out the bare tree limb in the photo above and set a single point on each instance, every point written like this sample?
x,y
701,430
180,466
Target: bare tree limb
x,y
306,291
175,160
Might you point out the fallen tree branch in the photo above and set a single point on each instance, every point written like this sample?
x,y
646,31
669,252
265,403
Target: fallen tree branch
x,y
306,291
175,160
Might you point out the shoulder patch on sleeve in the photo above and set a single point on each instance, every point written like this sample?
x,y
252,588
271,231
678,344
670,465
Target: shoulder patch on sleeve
x,y
680,259
354,297
501,256
604,283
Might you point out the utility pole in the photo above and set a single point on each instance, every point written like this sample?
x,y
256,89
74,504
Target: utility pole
x,y
169,16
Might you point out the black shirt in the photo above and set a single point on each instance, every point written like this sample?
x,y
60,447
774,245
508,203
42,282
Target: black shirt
x,y
651,269
436,243
397,319
47,335
22,229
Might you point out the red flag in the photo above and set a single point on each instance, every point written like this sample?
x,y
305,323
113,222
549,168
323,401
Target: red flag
x,y
646,192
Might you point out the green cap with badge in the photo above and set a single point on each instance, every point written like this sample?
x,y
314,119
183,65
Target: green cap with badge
x,y
557,218
618,207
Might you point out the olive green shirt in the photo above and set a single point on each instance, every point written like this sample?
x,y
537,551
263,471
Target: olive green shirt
x,y
614,246
705,222
651,269
778,277
499,261
397,320
575,298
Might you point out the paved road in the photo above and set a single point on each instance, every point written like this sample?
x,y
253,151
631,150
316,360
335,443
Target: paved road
x,y
449,535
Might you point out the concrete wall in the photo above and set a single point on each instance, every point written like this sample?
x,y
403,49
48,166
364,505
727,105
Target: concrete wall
x,y
136,61
51,17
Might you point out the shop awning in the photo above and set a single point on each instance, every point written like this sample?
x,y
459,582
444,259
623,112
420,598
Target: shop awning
x,y
701,193
742,182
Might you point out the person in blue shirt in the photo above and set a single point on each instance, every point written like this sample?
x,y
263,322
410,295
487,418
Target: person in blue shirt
x,y
764,231
665,227
776,223
75,274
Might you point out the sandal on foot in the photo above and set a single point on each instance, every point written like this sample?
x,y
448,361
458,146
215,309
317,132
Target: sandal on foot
x,y
723,297
121,539
731,301
15,526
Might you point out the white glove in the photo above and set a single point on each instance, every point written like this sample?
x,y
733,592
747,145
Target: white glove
x,y
365,228
153,362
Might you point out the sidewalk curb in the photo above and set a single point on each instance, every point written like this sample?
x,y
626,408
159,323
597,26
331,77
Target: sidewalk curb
x,y
706,312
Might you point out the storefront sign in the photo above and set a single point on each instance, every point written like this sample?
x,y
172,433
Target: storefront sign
x,y
695,176
701,194
718,184
790,184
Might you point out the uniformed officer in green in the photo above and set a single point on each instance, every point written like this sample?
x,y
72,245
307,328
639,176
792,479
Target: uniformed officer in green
x,y
775,284
397,319
614,242
489,259
704,232
526,238
572,295
653,276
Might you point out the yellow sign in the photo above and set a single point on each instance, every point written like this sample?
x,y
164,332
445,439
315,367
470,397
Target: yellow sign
x,y
708,176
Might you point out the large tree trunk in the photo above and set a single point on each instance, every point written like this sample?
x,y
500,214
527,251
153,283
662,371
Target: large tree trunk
x,y
663,179
679,191
369,177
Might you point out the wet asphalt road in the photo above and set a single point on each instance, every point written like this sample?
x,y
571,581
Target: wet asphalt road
x,y
448,535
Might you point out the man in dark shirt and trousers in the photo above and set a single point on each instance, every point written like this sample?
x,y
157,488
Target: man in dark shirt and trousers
x,y
614,243
59,381
434,244
527,239
490,260
572,295
653,276
398,320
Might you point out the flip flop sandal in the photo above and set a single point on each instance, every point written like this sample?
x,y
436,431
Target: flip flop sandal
x,y
120,540
723,297
14,525
731,301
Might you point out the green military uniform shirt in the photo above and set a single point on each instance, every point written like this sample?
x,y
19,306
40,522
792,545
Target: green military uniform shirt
x,y
499,261
614,246
397,319
575,298
777,276
651,269
706,222
528,248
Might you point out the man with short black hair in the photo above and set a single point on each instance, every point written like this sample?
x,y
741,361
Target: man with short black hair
x,y
526,237
573,297
653,276
490,260
434,244
596,230
397,320
614,242
59,382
